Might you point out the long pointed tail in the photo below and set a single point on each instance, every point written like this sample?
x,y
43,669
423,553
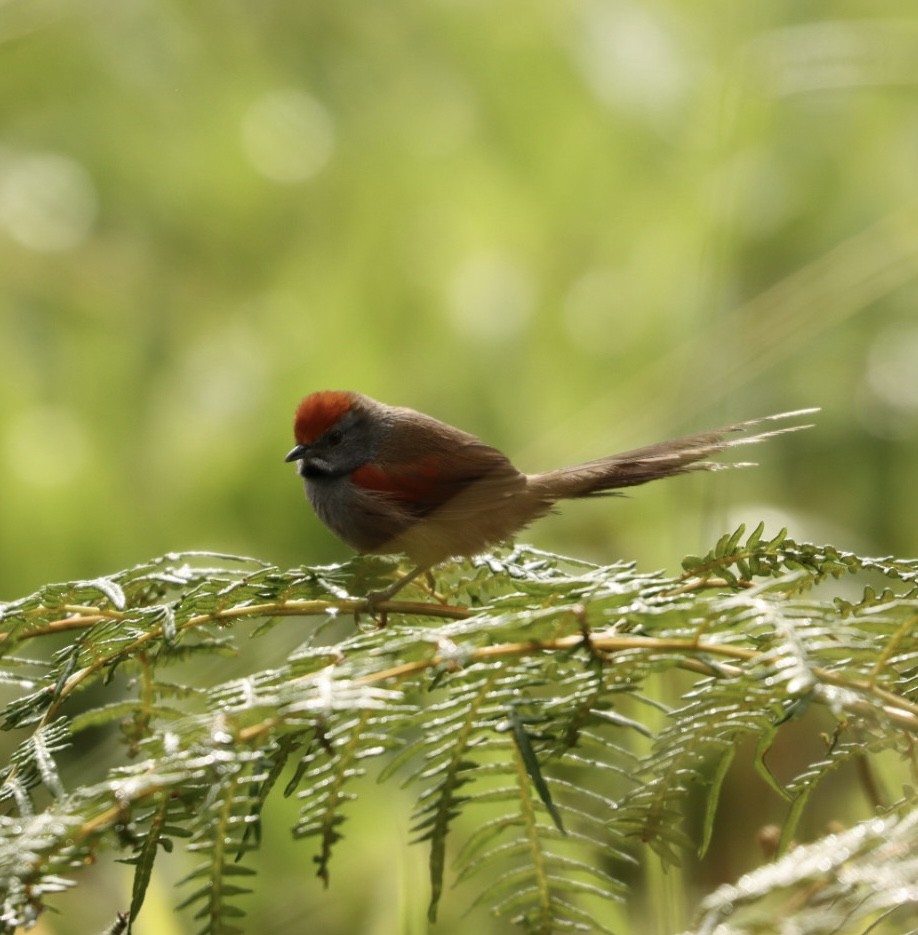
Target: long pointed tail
x,y
664,459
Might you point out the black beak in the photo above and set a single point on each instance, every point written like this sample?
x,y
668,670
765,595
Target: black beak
x,y
296,454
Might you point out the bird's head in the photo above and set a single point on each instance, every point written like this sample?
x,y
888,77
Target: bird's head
x,y
336,432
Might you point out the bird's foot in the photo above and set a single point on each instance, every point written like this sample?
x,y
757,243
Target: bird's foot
x,y
375,598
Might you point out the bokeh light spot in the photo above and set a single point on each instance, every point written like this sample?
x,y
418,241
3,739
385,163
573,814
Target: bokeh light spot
x,y
491,297
288,135
892,366
47,201
888,401
46,447
600,314
629,58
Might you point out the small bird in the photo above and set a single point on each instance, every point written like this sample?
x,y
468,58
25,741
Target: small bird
x,y
388,479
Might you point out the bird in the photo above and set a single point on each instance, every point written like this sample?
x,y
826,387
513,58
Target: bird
x,y
392,480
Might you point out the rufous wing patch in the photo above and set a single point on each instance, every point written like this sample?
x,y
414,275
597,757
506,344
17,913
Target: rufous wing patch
x,y
418,485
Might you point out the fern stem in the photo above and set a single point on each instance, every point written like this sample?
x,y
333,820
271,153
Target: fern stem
x,y
528,811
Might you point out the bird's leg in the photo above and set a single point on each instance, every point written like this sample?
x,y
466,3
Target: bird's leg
x,y
386,594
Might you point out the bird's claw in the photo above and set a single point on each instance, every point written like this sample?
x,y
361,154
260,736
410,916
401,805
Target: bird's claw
x,y
373,599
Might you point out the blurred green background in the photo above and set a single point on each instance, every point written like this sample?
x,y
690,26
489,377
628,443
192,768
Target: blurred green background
x,y
569,227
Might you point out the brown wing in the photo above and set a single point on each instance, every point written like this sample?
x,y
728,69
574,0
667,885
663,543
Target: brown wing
x,y
455,487
435,479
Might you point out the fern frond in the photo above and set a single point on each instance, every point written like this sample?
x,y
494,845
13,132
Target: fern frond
x,y
537,707
853,880
335,759
221,839
33,764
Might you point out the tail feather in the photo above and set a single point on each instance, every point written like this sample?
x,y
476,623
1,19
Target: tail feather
x,y
664,459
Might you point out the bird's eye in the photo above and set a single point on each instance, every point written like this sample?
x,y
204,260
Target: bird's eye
x,y
335,437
